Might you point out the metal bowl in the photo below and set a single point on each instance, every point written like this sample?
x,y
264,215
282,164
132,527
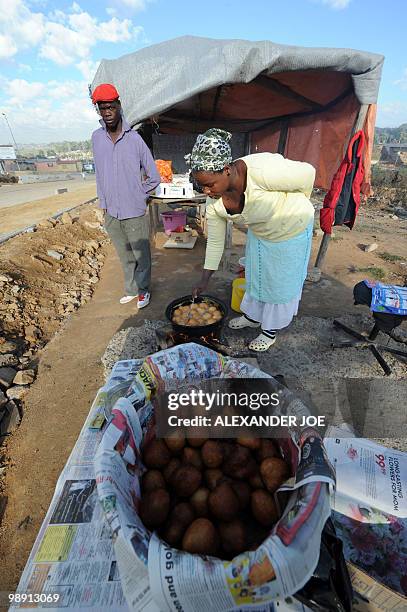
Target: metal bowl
x,y
199,330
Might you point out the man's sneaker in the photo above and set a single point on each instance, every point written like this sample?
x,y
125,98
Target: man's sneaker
x,y
143,299
127,298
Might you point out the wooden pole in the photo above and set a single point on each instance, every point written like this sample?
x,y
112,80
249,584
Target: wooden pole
x,y
322,250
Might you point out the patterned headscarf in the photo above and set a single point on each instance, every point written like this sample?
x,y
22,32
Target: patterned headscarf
x,y
211,151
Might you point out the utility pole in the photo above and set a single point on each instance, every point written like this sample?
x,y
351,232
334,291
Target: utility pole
x,y
12,136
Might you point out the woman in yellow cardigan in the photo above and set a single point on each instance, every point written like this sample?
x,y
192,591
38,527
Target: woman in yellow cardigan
x,y
270,194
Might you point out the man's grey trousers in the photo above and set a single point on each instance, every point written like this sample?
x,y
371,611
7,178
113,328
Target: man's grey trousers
x,y
131,238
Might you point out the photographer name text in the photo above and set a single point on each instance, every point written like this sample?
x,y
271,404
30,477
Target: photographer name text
x,y
247,421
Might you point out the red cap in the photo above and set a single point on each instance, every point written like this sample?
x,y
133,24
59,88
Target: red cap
x,y
105,93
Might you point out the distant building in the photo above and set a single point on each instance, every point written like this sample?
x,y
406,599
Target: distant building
x,y
58,165
390,152
7,153
10,165
42,165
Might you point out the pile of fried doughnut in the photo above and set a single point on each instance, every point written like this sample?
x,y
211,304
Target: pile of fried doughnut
x,y
197,314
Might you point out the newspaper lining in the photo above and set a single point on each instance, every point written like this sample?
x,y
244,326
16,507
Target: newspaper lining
x,y
73,554
370,516
180,581
97,556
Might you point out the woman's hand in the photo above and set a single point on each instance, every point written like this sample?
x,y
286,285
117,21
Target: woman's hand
x,y
201,288
203,283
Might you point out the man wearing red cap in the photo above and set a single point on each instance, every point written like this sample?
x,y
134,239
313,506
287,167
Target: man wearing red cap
x,y
125,175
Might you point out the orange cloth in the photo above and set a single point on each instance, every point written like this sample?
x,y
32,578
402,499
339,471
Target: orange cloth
x,y
164,167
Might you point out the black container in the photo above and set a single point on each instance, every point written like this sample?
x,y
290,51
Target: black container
x,y
201,330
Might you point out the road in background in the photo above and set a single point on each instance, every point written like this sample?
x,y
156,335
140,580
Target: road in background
x,y
13,194
20,216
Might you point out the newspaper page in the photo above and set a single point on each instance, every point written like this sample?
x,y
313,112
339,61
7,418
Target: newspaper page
x,y
72,564
216,587
369,513
372,474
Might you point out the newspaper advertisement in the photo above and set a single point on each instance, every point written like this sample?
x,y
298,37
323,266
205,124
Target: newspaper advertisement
x,y
374,475
153,573
72,564
370,511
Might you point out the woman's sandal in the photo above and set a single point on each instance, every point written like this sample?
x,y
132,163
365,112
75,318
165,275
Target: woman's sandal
x,y
241,322
261,343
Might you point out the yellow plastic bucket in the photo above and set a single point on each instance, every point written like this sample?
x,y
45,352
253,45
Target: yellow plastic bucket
x,y
238,291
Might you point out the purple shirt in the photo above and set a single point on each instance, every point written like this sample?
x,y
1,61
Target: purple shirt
x,y
122,190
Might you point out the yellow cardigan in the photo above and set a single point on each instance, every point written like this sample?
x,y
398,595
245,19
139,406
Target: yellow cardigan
x,y
277,205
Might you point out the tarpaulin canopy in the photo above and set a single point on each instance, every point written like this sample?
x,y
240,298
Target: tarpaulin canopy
x,y
302,102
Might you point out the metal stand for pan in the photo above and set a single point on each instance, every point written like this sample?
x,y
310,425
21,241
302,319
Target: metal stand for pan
x,y
368,342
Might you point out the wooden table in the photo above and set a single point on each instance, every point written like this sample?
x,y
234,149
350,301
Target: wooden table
x,y
198,201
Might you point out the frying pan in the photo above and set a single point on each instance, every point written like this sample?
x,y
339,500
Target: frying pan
x,y
199,330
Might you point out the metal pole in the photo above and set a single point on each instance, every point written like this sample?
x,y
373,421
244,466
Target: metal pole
x,y
12,136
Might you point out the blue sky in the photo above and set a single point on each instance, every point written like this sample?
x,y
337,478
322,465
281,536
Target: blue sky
x,y
49,50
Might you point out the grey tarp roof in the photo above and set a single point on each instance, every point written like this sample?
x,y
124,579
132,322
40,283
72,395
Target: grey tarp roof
x,y
158,77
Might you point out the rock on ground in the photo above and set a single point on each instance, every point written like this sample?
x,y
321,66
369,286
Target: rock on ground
x,y
10,418
17,392
24,377
7,376
368,248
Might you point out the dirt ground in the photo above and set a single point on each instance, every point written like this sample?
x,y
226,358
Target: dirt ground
x,y
72,339
24,215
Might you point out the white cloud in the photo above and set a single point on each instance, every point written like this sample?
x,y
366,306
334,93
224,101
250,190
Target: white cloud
x,y
67,89
127,7
336,4
88,69
136,5
24,68
391,114
19,91
54,110
60,110
64,44
64,38
403,81
19,27
7,46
